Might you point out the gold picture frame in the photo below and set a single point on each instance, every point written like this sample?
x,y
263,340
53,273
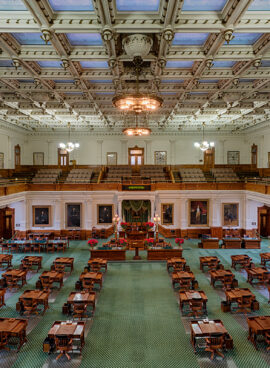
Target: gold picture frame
x,y
230,214
73,218
102,217
41,216
167,213
198,213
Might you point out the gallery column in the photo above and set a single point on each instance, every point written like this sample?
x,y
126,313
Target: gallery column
x,y
57,214
99,151
124,153
88,214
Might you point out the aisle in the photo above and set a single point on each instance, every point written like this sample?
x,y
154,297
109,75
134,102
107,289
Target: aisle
x,y
137,322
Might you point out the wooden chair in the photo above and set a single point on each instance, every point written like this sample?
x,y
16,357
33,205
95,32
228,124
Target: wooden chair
x,y
12,282
64,345
196,308
29,306
46,282
60,246
185,283
50,248
103,234
214,344
36,247
178,266
5,247
95,267
267,340
2,297
14,248
227,282
59,267
27,247
3,341
77,235
88,284
244,304
79,310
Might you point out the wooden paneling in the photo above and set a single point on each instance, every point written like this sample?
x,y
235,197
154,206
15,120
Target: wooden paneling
x,y
194,233
163,254
110,255
168,233
217,232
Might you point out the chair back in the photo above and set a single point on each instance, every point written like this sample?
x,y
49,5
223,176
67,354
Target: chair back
x,y
59,267
63,343
216,340
88,284
45,282
185,283
3,339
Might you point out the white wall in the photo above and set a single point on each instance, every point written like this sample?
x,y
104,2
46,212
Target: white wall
x,y
23,202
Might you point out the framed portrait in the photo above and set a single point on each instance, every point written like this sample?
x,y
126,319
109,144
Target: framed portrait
x,y
230,214
167,213
104,214
73,215
41,215
111,158
198,212
160,157
38,158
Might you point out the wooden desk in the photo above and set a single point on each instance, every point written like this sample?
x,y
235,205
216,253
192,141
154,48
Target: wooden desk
x,y
186,296
219,275
73,330
235,294
86,297
14,327
177,276
41,297
265,257
257,326
206,328
65,261
163,254
29,261
20,275
210,243
258,273
103,262
171,262
136,235
109,254
242,259
95,276
54,276
232,243
6,259
2,297
211,262
252,243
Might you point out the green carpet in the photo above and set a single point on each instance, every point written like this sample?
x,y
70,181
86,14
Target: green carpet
x,y
137,321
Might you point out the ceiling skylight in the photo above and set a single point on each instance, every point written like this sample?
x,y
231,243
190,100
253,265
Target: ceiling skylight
x,y
84,39
71,5
190,38
203,5
137,5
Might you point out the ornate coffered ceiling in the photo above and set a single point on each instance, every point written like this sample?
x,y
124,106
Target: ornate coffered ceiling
x,y
73,77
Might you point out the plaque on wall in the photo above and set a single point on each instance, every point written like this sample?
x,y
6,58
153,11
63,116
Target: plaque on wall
x,y
104,214
230,214
73,215
41,215
167,213
198,212
233,157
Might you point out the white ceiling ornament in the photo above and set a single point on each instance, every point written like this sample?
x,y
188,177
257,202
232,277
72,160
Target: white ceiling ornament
x,y
137,45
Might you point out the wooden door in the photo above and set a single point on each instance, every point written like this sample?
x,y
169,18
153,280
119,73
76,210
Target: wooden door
x,y
7,222
209,158
263,224
254,153
63,157
264,221
136,156
17,155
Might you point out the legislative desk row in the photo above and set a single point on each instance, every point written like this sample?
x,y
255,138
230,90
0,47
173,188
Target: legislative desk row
x,y
230,243
120,254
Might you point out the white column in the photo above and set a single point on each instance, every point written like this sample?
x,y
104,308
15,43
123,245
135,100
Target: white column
x,y
147,156
57,215
124,152
99,151
28,214
49,153
10,161
88,214
172,152
184,214
62,209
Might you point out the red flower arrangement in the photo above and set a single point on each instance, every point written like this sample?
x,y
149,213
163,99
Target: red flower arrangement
x,y
149,225
122,242
123,225
92,242
149,241
179,241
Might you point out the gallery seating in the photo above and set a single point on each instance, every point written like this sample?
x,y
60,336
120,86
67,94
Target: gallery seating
x,y
79,176
224,175
46,176
192,175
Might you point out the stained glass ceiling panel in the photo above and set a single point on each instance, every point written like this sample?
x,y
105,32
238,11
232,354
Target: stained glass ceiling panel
x,y
84,39
49,64
203,5
179,64
6,63
94,64
260,5
266,63
71,5
223,64
245,38
190,38
29,38
137,5
12,5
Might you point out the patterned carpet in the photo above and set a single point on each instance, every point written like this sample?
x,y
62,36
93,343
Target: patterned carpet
x,y
137,321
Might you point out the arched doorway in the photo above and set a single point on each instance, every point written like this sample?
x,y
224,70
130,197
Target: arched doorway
x,y
264,221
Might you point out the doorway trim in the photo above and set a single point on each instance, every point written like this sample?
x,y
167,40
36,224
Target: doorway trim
x,y
138,151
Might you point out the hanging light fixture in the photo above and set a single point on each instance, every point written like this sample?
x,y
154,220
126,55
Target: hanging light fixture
x,y
69,146
137,130
137,102
204,145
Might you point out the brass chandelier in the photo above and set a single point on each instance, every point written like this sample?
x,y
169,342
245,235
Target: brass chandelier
x,y
137,130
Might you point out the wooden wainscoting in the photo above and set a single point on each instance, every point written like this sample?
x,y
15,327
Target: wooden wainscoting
x,y
168,233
